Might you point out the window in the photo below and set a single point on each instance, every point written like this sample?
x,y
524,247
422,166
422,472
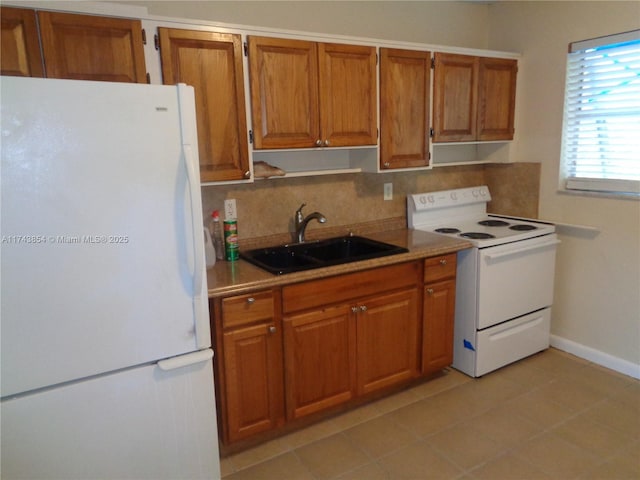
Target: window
x,y
601,128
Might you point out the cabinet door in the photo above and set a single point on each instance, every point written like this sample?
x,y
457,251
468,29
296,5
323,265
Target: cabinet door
x,y
404,108
319,358
86,47
455,98
437,326
387,333
20,46
212,63
496,98
253,380
284,92
347,95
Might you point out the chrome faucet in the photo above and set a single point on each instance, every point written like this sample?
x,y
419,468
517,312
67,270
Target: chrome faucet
x,y
300,222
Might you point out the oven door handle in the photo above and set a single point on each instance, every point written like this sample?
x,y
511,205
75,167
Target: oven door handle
x,y
494,256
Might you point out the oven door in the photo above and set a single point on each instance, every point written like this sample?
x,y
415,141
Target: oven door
x,y
515,279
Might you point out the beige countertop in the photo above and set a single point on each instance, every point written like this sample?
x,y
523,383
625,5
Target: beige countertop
x,y
231,278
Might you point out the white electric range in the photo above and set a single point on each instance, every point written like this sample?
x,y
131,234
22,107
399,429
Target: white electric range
x,y
504,284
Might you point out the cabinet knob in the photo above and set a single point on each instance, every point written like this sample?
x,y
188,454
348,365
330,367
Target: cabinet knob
x,y
430,291
251,300
247,174
354,309
326,143
387,164
363,308
443,261
272,329
318,143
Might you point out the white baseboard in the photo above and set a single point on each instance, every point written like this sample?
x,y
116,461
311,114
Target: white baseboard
x,y
596,356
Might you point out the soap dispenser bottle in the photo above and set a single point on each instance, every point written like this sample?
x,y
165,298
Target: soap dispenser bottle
x,y
209,252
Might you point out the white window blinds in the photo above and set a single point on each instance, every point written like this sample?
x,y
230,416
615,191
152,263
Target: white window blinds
x,y
601,129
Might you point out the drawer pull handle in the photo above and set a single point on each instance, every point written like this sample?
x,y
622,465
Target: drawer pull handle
x,y
443,261
251,300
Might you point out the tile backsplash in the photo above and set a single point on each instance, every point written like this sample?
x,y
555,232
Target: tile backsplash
x,y
266,207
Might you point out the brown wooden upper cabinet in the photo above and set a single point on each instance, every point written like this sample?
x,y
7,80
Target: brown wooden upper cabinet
x,y
73,46
497,98
307,94
88,47
404,108
474,98
19,43
212,63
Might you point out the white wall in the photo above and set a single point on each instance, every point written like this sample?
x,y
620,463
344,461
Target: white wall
x,y
597,300
464,25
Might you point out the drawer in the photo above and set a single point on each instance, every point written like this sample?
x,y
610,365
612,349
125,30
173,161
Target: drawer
x,y
318,293
249,308
438,268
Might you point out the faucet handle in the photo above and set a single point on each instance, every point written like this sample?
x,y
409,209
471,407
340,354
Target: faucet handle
x,y
299,215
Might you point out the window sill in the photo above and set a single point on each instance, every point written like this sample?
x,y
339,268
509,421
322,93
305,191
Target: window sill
x,y
599,194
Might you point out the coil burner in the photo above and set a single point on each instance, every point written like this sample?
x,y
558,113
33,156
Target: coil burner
x,y
477,235
521,227
493,223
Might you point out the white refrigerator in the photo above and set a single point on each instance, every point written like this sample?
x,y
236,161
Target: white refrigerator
x,y
105,345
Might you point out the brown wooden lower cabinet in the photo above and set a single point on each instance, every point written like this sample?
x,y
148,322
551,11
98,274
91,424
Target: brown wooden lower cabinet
x,y
291,352
439,302
253,361
387,340
319,353
249,364
334,354
437,337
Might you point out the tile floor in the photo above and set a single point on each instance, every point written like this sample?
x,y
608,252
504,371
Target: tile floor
x,y
550,416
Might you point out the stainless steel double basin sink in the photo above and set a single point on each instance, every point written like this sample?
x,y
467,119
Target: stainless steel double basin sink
x,y
296,257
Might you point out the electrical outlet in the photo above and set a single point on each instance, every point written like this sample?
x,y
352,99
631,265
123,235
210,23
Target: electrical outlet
x,y
388,191
230,212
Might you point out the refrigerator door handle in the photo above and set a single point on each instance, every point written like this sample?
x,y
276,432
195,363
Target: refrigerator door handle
x,y
186,100
198,247
185,360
